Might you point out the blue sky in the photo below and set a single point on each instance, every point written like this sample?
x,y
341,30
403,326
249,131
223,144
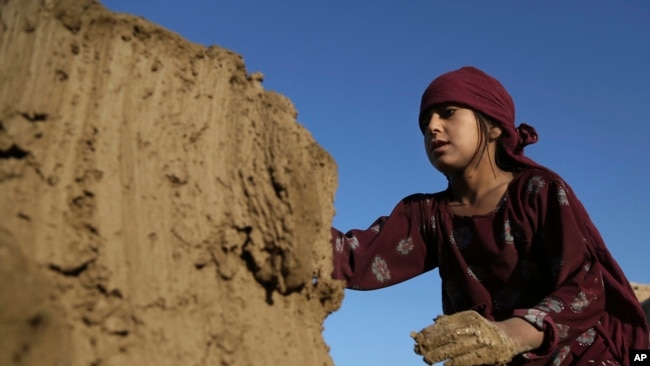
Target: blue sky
x,y
355,70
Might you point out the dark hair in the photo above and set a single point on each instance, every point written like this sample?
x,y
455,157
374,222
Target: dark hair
x,y
503,160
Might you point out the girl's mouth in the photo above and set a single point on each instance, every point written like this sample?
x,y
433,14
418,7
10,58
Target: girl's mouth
x,y
438,146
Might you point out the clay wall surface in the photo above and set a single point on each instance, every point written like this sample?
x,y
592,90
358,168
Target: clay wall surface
x,y
158,206
643,294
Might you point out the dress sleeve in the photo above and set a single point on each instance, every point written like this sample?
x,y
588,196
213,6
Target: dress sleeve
x,y
393,249
567,241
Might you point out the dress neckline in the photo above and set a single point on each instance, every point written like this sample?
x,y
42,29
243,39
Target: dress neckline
x,y
502,201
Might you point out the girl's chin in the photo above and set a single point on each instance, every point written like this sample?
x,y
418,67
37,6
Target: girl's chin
x,y
442,168
445,169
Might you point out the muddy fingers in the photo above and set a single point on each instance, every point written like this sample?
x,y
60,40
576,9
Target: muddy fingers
x,y
465,339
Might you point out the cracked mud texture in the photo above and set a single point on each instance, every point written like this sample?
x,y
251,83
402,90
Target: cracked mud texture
x,y
158,206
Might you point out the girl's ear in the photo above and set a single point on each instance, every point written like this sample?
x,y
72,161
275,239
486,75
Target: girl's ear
x,y
494,133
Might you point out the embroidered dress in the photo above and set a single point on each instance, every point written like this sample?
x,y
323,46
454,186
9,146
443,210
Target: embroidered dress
x,y
537,256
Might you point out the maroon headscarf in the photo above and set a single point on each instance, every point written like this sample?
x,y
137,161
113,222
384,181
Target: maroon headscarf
x,y
471,87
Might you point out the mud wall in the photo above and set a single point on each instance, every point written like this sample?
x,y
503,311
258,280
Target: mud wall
x,y
643,294
158,206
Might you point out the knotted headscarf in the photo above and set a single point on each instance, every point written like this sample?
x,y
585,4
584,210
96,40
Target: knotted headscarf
x,y
473,88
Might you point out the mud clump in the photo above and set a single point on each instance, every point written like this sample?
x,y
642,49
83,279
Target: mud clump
x,y
159,206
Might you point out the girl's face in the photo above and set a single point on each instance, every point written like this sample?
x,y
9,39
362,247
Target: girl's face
x,y
452,138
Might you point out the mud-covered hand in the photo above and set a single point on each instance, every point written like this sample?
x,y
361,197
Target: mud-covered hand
x,y
466,339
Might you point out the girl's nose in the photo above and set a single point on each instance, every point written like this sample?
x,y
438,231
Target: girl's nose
x,y
434,124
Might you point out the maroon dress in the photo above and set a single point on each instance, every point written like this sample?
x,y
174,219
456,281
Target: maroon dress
x,y
537,256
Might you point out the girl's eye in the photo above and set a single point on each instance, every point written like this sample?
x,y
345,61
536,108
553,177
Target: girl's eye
x,y
447,113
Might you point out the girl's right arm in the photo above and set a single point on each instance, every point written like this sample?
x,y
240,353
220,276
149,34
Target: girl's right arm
x,y
393,249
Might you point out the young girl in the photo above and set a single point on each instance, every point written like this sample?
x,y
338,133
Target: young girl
x,y
526,277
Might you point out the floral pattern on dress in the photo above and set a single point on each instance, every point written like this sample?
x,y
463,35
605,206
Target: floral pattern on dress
x,y
353,242
551,304
507,233
563,331
461,237
405,246
535,184
433,223
339,244
561,197
580,302
560,355
535,317
375,228
380,269
587,338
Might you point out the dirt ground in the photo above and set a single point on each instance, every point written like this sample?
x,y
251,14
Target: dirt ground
x,y
158,206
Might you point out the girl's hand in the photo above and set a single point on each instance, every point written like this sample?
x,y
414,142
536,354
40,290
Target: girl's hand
x,y
468,339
